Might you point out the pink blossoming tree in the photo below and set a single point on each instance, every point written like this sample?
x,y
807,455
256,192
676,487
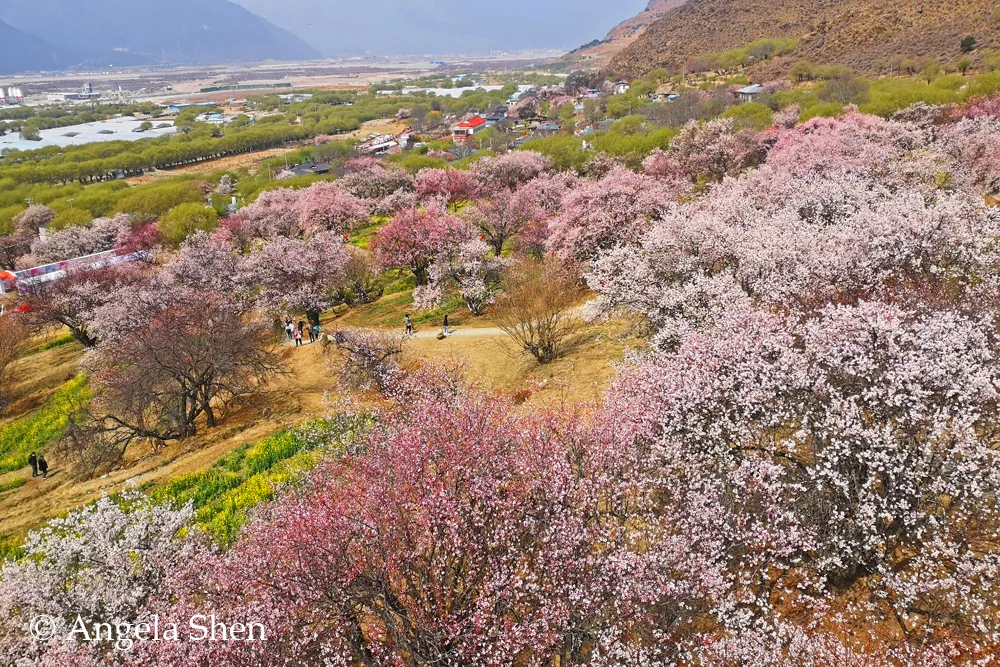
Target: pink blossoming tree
x,y
414,238
451,185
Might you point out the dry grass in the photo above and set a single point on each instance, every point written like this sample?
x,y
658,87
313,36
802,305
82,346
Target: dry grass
x,y
230,163
856,33
290,399
38,375
583,374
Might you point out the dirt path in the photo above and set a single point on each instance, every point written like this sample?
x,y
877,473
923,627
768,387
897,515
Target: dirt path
x,y
230,163
300,393
432,334
488,332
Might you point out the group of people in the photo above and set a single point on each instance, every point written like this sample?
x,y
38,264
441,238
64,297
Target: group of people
x,y
408,323
296,331
39,466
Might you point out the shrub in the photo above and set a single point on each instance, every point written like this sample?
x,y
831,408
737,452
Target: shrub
x,y
184,220
535,309
752,116
371,359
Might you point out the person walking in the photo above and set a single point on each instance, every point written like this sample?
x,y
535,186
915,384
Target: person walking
x,y
290,329
298,337
33,462
314,332
43,467
409,324
447,330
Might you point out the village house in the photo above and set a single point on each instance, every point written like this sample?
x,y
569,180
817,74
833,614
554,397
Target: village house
x,y
468,128
750,93
547,129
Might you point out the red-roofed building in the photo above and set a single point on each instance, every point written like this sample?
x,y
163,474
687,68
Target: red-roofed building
x,y
466,129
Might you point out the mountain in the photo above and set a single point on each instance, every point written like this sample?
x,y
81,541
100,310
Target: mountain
x,y
443,26
625,32
857,33
20,51
127,32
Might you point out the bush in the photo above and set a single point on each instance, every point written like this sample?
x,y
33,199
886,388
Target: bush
x,y
156,199
70,217
566,152
535,309
371,358
184,220
823,110
752,116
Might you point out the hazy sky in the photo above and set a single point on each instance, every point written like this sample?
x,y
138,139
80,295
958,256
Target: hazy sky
x,y
443,26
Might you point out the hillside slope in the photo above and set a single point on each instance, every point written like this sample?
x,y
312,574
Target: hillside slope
x,y
124,32
857,33
20,51
628,31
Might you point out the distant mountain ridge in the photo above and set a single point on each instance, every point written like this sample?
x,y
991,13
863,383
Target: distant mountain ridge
x,y
857,33
20,51
626,32
130,32
441,27
633,27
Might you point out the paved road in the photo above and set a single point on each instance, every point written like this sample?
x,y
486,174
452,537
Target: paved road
x,y
427,334
460,332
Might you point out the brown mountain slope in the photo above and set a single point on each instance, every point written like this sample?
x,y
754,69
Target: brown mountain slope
x,y
851,32
627,31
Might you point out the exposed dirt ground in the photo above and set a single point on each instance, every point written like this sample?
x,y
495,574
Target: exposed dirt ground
x,y
231,163
302,392
291,398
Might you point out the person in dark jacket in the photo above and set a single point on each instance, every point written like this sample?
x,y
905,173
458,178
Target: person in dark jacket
x,y
447,331
33,462
43,467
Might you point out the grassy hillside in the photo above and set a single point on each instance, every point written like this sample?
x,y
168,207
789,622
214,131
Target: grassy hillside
x,y
857,33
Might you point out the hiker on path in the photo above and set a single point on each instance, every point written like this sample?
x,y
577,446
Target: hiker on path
x,y
447,329
302,329
314,331
33,462
289,329
43,467
409,324
298,337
